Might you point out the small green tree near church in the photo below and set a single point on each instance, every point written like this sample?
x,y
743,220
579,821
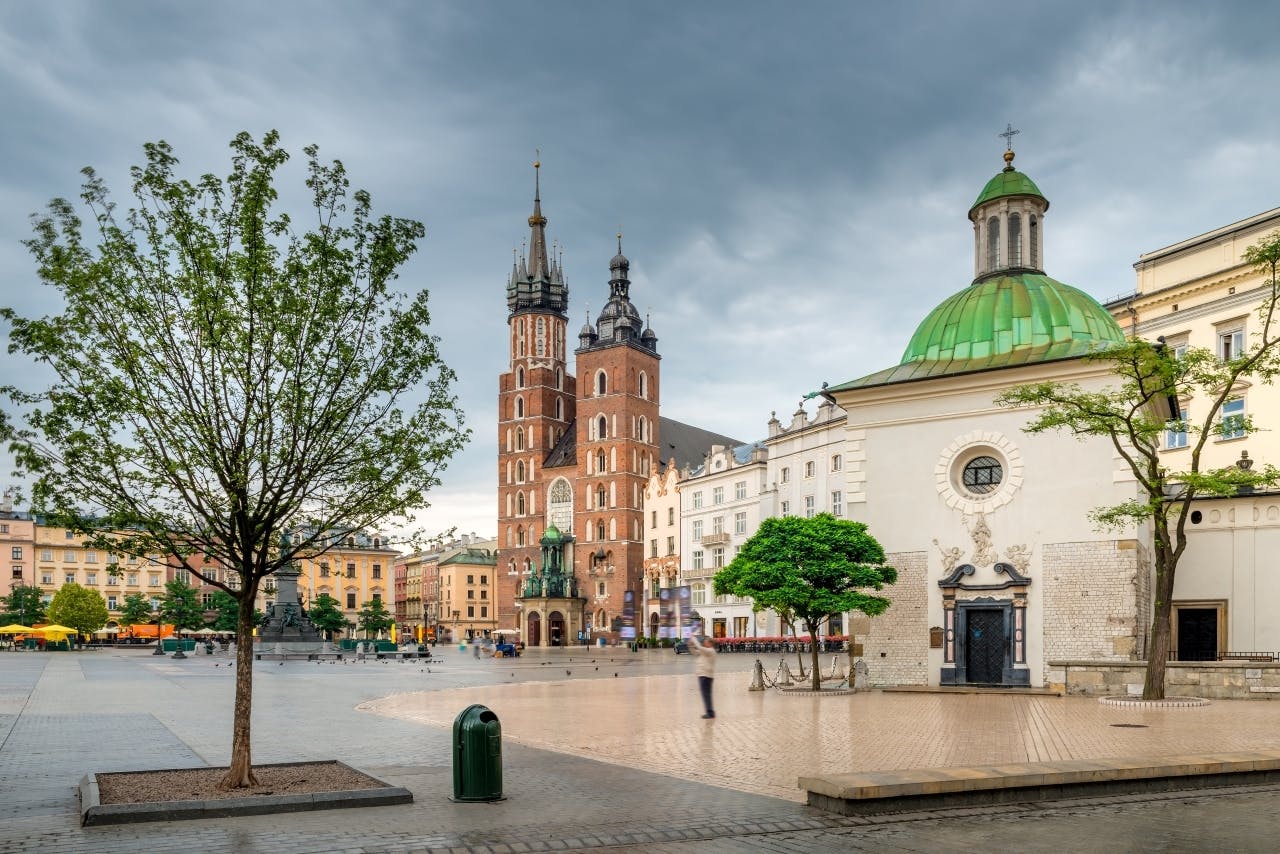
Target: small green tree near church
x,y
1133,415
374,618
811,568
137,610
326,616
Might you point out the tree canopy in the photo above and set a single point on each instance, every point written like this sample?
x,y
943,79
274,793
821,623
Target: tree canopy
x,y
181,606
810,568
374,617
1150,397
326,616
23,605
79,608
137,609
230,378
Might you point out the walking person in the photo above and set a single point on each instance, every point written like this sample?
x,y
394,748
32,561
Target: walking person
x,y
704,655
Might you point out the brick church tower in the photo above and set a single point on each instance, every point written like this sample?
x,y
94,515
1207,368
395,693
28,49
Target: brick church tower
x,y
617,448
535,405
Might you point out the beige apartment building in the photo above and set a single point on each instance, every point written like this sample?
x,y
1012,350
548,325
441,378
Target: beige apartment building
x,y
468,589
1200,292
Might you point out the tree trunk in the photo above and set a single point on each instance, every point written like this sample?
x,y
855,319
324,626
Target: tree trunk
x,y
1159,647
240,774
817,669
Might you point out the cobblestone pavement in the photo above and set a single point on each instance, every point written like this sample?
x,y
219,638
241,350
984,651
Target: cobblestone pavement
x,y
591,760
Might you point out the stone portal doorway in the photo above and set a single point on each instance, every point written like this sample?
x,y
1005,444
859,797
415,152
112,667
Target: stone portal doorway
x,y
534,634
986,646
555,628
1197,634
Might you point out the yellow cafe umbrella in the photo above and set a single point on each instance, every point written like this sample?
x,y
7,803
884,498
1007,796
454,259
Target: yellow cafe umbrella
x,y
15,629
55,629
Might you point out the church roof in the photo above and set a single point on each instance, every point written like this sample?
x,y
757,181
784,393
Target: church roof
x,y
683,441
1013,319
688,444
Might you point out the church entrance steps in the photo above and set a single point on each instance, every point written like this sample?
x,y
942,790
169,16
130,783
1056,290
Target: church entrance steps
x,y
876,792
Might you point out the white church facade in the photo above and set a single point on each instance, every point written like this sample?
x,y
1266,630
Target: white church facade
x,y
1000,570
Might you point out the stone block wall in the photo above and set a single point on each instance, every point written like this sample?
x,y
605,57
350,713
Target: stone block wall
x,y
1218,680
896,649
1092,592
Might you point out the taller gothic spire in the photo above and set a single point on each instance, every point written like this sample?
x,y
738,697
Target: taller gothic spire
x,y
537,283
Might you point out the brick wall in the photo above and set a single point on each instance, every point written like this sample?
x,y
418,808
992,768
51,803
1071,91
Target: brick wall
x,y
897,648
1222,680
1091,599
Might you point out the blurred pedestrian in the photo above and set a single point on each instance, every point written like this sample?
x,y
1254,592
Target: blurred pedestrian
x,y
704,654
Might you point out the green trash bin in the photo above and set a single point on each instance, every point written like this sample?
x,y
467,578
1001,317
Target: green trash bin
x,y
477,755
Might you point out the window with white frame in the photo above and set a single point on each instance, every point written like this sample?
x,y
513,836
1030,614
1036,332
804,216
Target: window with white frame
x,y
46,554
697,499
809,468
70,578
717,557
739,523
1230,343
111,603
809,509
1175,432
696,526
91,578
1233,419
698,594
697,559
786,475
717,525
740,490
717,495
46,578
786,508
16,553
836,462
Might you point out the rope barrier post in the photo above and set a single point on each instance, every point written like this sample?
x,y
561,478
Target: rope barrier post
x,y
757,680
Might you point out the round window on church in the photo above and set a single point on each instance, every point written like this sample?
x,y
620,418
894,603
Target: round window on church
x,y
981,475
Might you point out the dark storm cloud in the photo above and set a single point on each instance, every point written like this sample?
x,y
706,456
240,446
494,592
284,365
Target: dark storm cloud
x,y
792,179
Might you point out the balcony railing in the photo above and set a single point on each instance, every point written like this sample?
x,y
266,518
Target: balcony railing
x,y
716,539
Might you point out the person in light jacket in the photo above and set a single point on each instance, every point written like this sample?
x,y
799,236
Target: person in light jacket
x,y
705,665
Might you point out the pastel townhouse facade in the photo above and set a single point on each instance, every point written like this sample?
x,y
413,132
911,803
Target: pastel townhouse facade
x,y
720,507
18,541
468,577
662,550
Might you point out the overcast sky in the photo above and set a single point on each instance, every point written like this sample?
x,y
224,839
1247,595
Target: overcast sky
x,y
792,179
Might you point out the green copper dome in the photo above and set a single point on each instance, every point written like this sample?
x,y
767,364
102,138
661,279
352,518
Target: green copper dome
x,y
1015,319
551,535
1010,182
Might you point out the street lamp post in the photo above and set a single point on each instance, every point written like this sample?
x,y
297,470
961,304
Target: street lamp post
x,y
159,650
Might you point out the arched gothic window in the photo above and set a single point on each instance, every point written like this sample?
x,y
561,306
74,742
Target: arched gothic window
x,y
542,337
520,377
602,497
643,429
644,386
519,438
602,428
560,379
559,408
1015,240
519,407
993,243
520,536
519,503
602,382
1034,235
519,471
560,505
600,460
600,530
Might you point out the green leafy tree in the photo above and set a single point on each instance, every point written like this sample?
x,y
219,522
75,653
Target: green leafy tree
x,y
374,618
181,606
23,605
79,608
226,612
231,380
1134,413
326,615
809,568
136,611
